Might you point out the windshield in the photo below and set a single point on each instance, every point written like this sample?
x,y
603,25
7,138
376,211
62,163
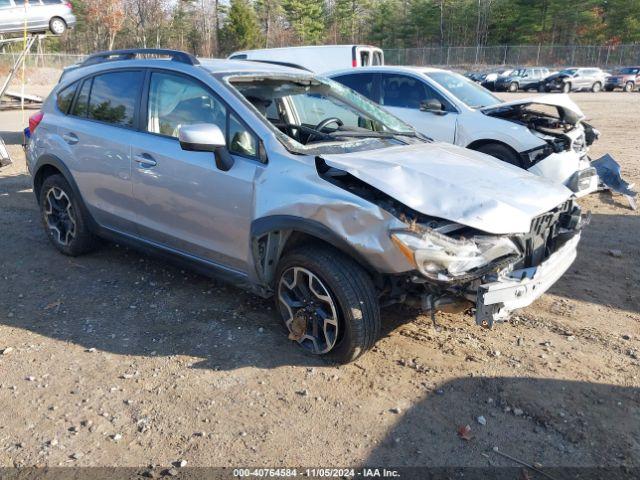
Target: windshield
x,y
629,71
568,71
466,91
312,111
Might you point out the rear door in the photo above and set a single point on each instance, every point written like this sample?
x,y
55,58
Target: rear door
x,y
97,135
35,13
364,83
183,201
402,95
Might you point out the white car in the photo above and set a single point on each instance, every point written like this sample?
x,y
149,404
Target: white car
x,y
544,134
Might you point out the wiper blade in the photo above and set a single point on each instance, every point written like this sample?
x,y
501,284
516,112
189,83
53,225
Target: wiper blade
x,y
349,133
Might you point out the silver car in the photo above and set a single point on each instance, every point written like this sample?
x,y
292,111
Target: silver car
x,y
296,187
41,16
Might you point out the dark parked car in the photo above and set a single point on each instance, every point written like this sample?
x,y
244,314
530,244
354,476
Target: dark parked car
x,y
522,79
626,78
575,79
489,79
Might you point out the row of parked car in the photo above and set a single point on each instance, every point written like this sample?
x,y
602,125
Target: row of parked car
x,y
567,80
322,190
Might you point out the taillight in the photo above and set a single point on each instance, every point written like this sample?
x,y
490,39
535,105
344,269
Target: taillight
x,y
354,63
34,121
68,4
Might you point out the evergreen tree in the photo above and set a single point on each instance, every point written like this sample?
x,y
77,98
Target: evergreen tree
x,y
241,29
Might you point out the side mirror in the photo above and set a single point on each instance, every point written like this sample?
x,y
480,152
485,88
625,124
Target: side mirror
x,y
433,106
206,137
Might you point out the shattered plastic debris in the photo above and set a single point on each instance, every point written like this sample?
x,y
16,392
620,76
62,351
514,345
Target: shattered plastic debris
x,y
5,159
464,432
610,175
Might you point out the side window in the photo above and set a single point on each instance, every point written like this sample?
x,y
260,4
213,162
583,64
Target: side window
x,y
377,58
364,58
5,4
65,97
360,82
405,92
175,100
114,96
51,2
240,140
81,107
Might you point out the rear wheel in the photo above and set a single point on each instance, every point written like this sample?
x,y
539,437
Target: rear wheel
x,y
62,217
501,152
596,87
513,87
566,88
57,26
328,303
628,87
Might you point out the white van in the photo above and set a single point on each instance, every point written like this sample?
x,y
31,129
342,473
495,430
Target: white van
x,y
318,59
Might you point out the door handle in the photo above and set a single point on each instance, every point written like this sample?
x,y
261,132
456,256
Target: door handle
x,y
145,160
70,138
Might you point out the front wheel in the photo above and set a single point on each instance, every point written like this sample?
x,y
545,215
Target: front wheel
x,y
501,152
628,87
513,87
57,26
596,87
566,88
542,88
327,302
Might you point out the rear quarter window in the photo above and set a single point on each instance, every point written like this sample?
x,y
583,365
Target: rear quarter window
x,y
65,97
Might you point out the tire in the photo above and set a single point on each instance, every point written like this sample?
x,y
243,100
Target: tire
x,y
596,87
63,218
513,87
629,86
501,152
352,302
542,88
566,88
57,26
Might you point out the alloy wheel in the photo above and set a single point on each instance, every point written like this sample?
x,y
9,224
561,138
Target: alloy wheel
x,y
59,216
308,310
58,26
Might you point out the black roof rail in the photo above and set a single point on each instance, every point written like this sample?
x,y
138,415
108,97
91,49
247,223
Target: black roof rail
x,y
129,54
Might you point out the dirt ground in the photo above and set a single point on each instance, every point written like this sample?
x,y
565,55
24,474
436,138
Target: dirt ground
x,y
116,358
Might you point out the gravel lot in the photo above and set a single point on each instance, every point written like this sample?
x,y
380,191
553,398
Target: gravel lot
x,y
117,358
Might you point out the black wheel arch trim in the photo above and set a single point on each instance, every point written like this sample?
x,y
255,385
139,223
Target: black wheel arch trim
x,y
55,162
292,223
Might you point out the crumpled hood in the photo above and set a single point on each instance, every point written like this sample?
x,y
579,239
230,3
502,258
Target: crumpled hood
x,y
456,184
567,107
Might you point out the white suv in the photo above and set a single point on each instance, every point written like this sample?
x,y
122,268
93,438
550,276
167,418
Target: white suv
x,y
543,134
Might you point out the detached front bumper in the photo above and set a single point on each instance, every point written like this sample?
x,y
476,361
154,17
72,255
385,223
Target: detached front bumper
x,y
497,299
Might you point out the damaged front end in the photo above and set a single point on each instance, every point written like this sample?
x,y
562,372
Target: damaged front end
x,y
493,273
565,139
460,263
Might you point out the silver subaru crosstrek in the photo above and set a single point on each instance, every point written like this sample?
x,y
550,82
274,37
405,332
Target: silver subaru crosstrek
x,y
40,16
296,187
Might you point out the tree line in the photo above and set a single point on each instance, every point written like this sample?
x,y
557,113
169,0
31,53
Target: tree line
x,y
215,27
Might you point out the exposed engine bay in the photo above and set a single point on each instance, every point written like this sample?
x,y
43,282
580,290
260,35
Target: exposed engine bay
x,y
552,126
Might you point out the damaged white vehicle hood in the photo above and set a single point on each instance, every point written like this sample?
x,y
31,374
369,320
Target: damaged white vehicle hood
x,y
566,107
456,184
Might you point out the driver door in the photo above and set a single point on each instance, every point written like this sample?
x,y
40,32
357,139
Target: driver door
x,y
402,95
183,201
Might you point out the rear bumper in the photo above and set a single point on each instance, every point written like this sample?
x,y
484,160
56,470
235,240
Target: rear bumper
x,y
497,299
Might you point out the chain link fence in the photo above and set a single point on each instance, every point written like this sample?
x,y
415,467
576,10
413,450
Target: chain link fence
x,y
605,56
56,61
